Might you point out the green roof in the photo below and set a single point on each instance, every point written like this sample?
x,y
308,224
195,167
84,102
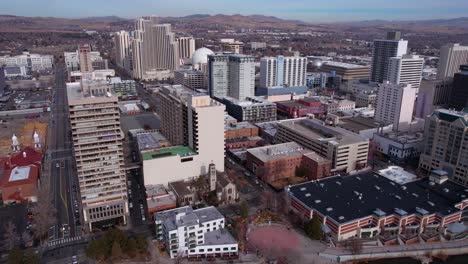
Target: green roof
x,y
181,151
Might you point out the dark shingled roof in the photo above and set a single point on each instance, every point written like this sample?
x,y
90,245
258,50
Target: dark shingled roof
x,y
348,198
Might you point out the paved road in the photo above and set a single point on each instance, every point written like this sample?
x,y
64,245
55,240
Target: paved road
x,y
61,163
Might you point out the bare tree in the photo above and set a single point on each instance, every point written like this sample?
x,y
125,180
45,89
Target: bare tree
x,y
11,236
44,211
354,245
27,239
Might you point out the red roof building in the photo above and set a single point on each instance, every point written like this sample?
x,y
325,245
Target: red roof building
x,y
20,184
27,156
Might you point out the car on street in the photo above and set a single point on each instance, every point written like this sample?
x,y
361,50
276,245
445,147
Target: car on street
x,y
130,205
57,165
65,229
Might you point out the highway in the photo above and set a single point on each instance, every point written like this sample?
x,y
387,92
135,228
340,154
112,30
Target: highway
x,y
61,163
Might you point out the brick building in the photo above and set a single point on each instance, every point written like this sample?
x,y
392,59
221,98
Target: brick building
x,y
241,135
368,205
276,162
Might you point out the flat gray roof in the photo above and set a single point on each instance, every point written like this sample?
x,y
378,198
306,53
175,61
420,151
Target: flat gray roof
x,y
219,237
314,130
273,152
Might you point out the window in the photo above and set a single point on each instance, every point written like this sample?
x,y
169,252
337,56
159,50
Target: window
x,y
201,250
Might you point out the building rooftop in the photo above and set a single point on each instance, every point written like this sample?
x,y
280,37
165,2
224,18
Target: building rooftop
x,y
278,151
139,122
358,123
151,140
239,125
398,175
219,237
161,201
316,157
314,130
451,115
182,151
182,187
349,198
249,101
19,176
404,137
344,65
188,216
155,190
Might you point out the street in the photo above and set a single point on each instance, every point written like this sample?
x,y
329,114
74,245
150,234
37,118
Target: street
x,y
60,162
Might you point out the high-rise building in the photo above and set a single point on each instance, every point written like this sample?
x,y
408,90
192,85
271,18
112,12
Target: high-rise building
x,y
383,50
406,69
459,94
231,75
72,59
122,47
394,105
451,57
186,47
283,71
97,142
446,147
432,94
84,55
194,123
155,49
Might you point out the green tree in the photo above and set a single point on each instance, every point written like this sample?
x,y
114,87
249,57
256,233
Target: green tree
x,y
116,251
244,210
313,228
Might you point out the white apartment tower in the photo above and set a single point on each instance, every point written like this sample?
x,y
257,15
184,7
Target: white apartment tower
x,y
406,69
283,71
155,48
122,48
97,142
231,75
186,47
451,57
394,105
383,50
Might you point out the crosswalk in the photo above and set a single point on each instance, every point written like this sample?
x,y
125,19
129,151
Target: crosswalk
x,y
58,242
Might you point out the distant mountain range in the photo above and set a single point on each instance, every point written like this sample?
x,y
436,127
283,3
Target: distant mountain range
x,y
10,23
460,22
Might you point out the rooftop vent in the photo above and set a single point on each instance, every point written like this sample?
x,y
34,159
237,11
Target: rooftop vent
x,y
398,197
446,190
318,201
358,178
431,183
377,187
431,203
329,209
415,195
307,195
303,189
341,217
339,183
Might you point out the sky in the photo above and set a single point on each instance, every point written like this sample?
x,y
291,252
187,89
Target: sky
x,y
305,10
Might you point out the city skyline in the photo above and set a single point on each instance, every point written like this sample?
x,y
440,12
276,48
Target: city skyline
x,y
308,11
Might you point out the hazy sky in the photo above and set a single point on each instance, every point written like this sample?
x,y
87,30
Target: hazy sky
x,y
307,10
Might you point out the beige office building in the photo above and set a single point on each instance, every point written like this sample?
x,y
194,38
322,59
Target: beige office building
x,y
347,71
186,47
451,57
446,144
122,48
347,151
406,69
84,55
97,142
155,50
200,137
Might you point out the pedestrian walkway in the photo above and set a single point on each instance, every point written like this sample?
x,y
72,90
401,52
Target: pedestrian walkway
x,y
58,242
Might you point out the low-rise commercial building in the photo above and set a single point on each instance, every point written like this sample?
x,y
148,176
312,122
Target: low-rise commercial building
x,y
253,109
241,135
400,146
195,234
368,205
347,71
300,108
32,62
281,161
347,151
